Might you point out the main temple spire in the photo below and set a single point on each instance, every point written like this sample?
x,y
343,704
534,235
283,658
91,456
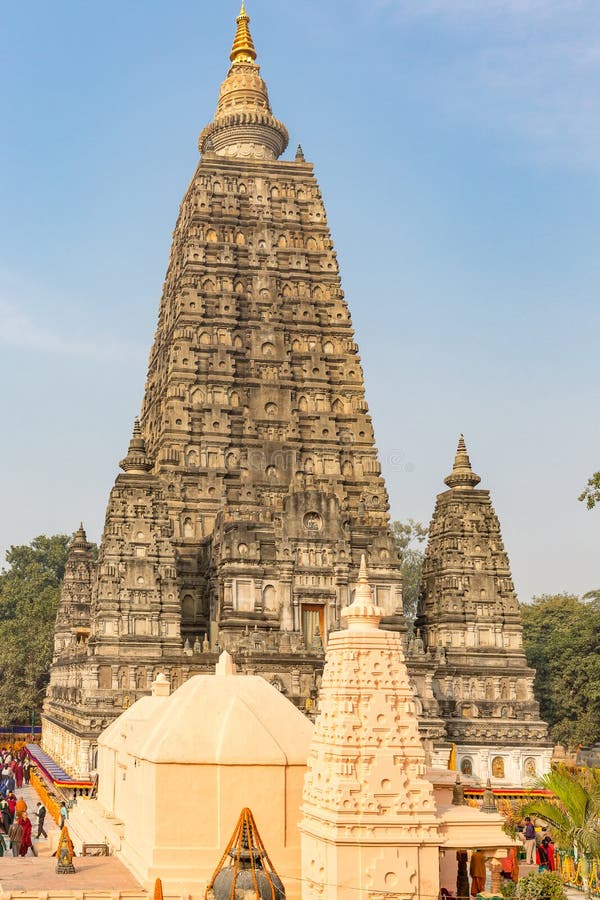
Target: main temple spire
x,y
244,126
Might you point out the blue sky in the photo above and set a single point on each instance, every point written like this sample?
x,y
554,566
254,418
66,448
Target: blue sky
x,y
457,143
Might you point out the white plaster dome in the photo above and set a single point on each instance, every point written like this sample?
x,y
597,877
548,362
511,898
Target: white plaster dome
x,y
225,720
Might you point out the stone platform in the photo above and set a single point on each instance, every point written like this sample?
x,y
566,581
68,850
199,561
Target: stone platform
x,y
94,873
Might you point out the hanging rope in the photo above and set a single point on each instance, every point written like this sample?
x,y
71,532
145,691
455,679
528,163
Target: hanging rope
x,y
246,851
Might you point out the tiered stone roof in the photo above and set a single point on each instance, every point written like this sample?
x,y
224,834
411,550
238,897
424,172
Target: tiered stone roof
x,y
469,618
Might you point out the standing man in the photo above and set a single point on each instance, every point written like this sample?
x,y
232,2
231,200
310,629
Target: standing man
x,y
41,815
15,834
529,841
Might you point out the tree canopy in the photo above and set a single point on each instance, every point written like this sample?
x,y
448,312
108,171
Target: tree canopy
x,y
591,494
562,641
29,593
409,537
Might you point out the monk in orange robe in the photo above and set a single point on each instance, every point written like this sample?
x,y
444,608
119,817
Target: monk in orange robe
x,y
478,872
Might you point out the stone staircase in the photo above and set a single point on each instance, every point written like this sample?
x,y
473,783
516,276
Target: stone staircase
x,y
88,824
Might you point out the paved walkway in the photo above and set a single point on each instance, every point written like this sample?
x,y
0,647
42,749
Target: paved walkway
x,y
92,873
39,874
45,847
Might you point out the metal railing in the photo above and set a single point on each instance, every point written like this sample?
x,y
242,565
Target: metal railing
x,y
583,874
50,801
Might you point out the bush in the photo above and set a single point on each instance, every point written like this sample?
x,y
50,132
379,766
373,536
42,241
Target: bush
x,y
508,889
541,886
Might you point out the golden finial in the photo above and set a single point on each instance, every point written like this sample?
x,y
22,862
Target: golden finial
x,y
243,45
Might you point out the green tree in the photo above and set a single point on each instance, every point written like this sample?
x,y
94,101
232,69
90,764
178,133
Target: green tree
x,y
409,538
562,641
591,494
29,593
573,813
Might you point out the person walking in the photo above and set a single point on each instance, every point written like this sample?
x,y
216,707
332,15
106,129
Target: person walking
x,y
541,857
5,816
64,815
19,775
20,807
26,770
15,835
26,842
41,815
12,802
549,845
529,835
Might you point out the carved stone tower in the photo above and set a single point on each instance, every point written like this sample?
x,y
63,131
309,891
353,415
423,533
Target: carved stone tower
x,y
252,485
469,618
72,628
254,412
370,827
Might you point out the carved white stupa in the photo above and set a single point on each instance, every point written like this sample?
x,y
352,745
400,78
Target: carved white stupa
x,y
369,823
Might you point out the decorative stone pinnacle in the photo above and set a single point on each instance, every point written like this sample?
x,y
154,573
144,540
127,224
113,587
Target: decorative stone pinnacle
x,y
244,125
300,154
79,541
363,613
458,793
226,665
462,475
243,46
489,802
137,459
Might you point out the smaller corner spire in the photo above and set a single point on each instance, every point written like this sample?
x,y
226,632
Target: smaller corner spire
x,y
137,459
363,612
243,46
79,541
462,475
